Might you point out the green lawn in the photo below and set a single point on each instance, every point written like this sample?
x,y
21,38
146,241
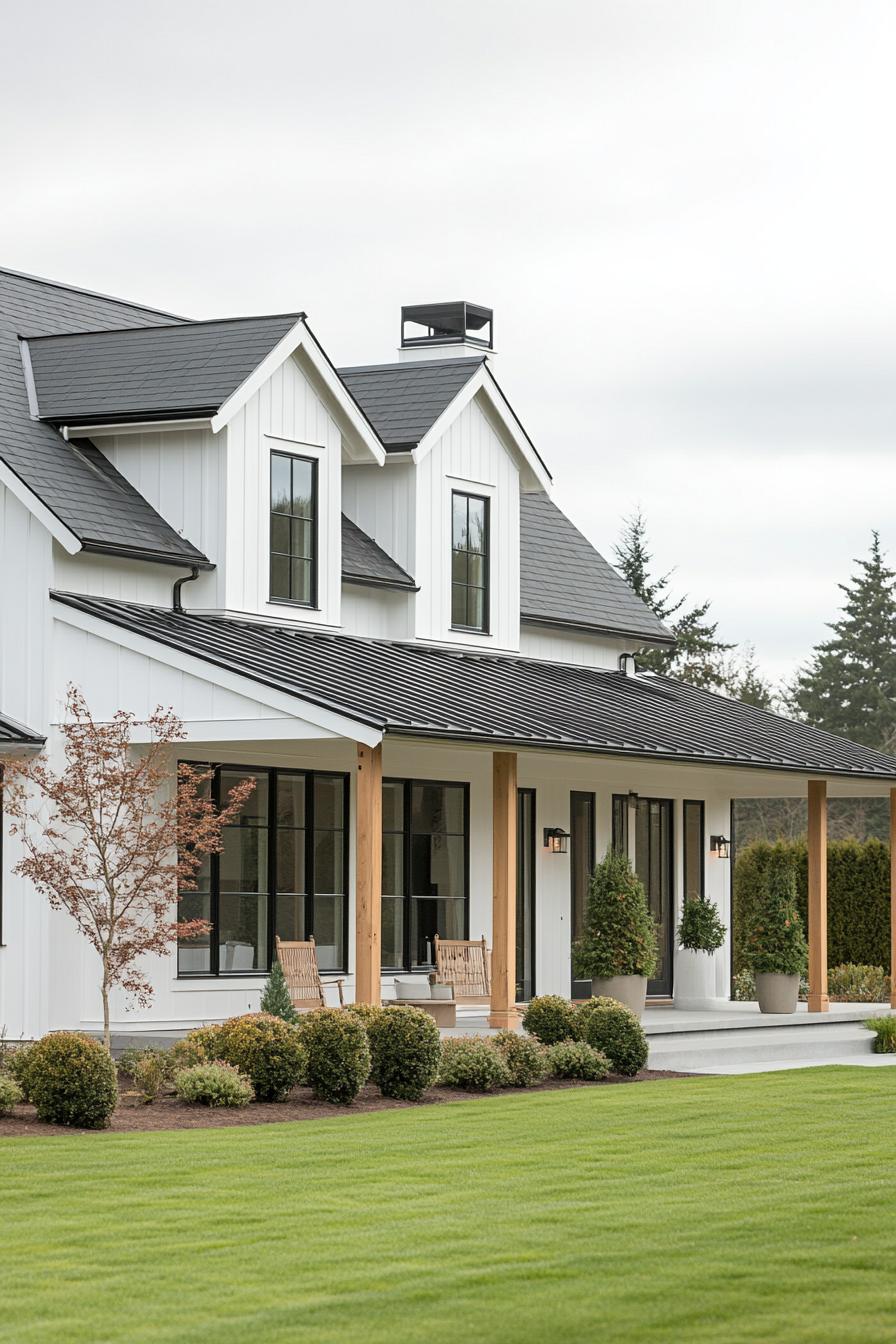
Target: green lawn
x,y
719,1209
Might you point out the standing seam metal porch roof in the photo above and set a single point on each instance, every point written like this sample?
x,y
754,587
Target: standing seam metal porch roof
x,y
433,692
13,734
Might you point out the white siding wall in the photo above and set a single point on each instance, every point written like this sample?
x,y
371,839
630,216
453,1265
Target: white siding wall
x,y
382,501
583,650
377,613
470,456
123,580
287,414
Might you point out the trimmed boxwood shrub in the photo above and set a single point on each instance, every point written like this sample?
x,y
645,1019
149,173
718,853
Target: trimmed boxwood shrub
x,y
577,1059
267,1050
216,1084
774,941
619,936
404,1051
199,1046
17,1062
614,1030
858,897
337,1054
550,1018
71,1080
10,1094
700,928
473,1064
526,1060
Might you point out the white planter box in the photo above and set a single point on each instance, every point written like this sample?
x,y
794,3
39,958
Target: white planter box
x,y
694,983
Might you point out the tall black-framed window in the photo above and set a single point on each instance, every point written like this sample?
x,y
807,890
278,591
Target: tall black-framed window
x,y
525,895
426,869
293,529
582,859
693,837
469,562
283,869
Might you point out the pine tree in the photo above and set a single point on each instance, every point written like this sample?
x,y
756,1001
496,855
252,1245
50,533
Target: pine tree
x,y
276,999
848,686
698,654
744,681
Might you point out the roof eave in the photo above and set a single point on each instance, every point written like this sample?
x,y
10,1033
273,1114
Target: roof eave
x,y
184,561
587,628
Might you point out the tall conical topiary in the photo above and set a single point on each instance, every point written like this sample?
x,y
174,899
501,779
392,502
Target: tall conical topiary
x,y
620,932
774,942
275,999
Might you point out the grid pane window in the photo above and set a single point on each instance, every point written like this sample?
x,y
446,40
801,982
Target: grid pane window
x,y
293,529
693,849
282,869
469,561
425,869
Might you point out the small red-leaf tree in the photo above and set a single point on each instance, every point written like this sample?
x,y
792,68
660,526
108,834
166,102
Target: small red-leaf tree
x,y
117,835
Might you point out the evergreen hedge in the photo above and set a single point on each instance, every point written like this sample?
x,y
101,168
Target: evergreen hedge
x,y
858,897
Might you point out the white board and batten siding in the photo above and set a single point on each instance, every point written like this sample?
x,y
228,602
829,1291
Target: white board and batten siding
x,y
383,503
26,576
582,650
287,415
471,456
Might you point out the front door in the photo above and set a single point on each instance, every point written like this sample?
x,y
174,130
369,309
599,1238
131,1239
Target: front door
x,y
643,829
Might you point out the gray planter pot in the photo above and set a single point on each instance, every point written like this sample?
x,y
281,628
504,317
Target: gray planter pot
x,y
628,989
777,993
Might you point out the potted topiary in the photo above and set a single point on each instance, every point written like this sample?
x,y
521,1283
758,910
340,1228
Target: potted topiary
x,y
700,933
774,944
617,951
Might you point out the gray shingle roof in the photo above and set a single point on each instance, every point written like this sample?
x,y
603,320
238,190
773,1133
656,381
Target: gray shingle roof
x,y
149,371
403,401
424,691
13,734
365,561
78,485
564,581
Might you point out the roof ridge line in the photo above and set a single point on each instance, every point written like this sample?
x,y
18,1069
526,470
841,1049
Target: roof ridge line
x,y
410,364
184,324
90,293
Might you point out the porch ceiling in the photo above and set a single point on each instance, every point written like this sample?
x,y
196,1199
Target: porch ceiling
x,y
412,690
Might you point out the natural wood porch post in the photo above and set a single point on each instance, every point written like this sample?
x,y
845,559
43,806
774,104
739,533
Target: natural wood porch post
x,y
893,898
504,808
818,896
369,873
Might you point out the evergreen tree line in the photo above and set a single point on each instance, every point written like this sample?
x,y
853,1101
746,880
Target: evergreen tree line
x,y
847,685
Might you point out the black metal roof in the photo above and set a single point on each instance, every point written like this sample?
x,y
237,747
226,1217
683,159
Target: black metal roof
x,y
403,401
75,482
565,581
13,734
149,371
422,691
365,561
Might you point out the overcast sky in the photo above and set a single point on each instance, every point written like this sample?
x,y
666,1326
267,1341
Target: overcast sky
x,y
683,214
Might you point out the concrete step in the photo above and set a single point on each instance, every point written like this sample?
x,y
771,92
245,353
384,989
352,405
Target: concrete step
x,y
705,1050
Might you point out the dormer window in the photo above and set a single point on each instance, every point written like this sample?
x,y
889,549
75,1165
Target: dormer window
x,y
469,562
293,529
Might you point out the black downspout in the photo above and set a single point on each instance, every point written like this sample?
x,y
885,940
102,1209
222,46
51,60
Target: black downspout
x,y
176,604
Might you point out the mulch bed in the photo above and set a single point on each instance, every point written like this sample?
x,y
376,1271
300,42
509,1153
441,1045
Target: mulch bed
x,y
166,1112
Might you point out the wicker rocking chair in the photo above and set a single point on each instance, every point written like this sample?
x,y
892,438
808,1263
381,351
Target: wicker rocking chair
x,y
306,989
466,966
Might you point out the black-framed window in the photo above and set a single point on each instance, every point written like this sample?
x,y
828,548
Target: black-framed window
x,y
525,895
469,562
426,869
693,851
283,869
294,529
582,859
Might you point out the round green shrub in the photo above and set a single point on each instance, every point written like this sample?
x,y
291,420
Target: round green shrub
x,y
473,1064
199,1046
267,1050
614,1030
71,1080
577,1059
700,929
10,1094
525,1059
337,1054
404,1051
619,937
550,1018
215,1084
774,940
17,1063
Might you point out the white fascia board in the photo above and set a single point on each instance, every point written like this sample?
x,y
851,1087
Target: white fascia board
x,y
246,730
131,427
482,381
46,517
336,724
301,338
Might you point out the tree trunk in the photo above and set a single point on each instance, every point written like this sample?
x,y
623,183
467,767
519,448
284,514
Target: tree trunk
x,y
107,1036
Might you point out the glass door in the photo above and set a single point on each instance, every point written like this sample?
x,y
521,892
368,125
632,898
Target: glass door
x,y
525,895
581,866
643,829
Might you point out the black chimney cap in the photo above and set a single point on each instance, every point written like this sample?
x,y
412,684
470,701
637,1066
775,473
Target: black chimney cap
x,y
448,324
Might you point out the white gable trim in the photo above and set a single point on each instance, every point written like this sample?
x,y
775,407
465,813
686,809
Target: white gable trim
x,y
338,725
54,525
483,381
351,420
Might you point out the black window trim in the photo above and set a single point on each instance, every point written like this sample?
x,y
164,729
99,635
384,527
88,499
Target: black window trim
x,y
406,897
273,773
485,628
685,804
314,462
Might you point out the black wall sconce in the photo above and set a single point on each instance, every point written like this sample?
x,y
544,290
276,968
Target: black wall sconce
x,y
719,846
555,839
